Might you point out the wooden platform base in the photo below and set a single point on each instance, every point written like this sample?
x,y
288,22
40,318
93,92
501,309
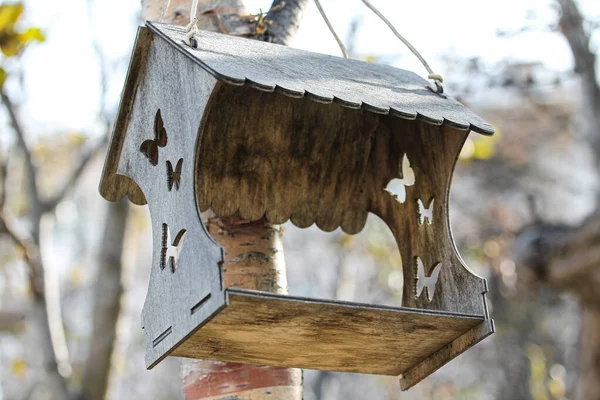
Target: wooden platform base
x,y
279,330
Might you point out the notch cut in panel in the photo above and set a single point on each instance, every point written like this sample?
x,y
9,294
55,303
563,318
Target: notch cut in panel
x,y
162,336
199,305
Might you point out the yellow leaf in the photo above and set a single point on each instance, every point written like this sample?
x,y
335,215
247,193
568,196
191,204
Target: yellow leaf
x,y
32,34
346,241
557,388
19,368
2,78
11,41
480,147
9,15
370,59
77,276
10,45
484,149
76,137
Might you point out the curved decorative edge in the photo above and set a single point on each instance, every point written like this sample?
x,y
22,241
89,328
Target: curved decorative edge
x,y
113,187
228,64
435,277
270,157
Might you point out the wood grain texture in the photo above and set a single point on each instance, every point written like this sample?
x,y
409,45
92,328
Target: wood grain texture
x,y
351,83
295,159
432,152
289,331
284,158
253,260
177,302
436,360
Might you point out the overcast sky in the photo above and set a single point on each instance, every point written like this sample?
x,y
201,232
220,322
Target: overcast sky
x,y
62,74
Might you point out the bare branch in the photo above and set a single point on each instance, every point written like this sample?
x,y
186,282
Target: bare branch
x,y
571,271
11,317
30,167
31,254
70,183
3,176
563,257
285,17
572,27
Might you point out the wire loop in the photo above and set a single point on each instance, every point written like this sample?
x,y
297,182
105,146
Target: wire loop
x,y
192,28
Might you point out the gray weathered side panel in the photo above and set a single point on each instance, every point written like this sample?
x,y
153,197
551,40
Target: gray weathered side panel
x,y
177,302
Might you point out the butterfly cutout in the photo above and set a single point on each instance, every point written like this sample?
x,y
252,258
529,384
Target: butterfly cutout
x,y
171,250
424,281
407,175
425,214
150,147
174,176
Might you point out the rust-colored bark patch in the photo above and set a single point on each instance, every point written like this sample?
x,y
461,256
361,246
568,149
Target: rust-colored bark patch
x,y
232,378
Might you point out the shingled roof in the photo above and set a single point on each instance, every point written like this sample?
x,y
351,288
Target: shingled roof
x,y
354,84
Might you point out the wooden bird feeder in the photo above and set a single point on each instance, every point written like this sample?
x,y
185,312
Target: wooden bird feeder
x,y
256,129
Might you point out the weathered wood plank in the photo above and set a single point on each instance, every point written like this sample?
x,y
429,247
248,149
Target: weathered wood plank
x,y
290,331
441,357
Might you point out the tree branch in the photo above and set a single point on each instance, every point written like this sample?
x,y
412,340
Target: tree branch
x,y
31,254
567,258
29,166
70,183
285,17
571,25
3,175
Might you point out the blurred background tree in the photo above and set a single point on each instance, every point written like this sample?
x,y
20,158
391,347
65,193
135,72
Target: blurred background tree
x,y
74,269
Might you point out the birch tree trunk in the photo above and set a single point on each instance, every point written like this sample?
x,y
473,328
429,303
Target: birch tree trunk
x,y
253,251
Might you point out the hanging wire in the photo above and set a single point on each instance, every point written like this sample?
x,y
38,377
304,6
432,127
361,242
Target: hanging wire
x,y
337,38
192,27
437,79
165,7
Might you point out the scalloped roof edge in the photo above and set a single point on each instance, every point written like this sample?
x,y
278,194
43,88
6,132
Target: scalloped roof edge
x,y
355,84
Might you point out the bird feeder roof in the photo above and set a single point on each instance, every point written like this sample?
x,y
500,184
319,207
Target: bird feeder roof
x,y
378,88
